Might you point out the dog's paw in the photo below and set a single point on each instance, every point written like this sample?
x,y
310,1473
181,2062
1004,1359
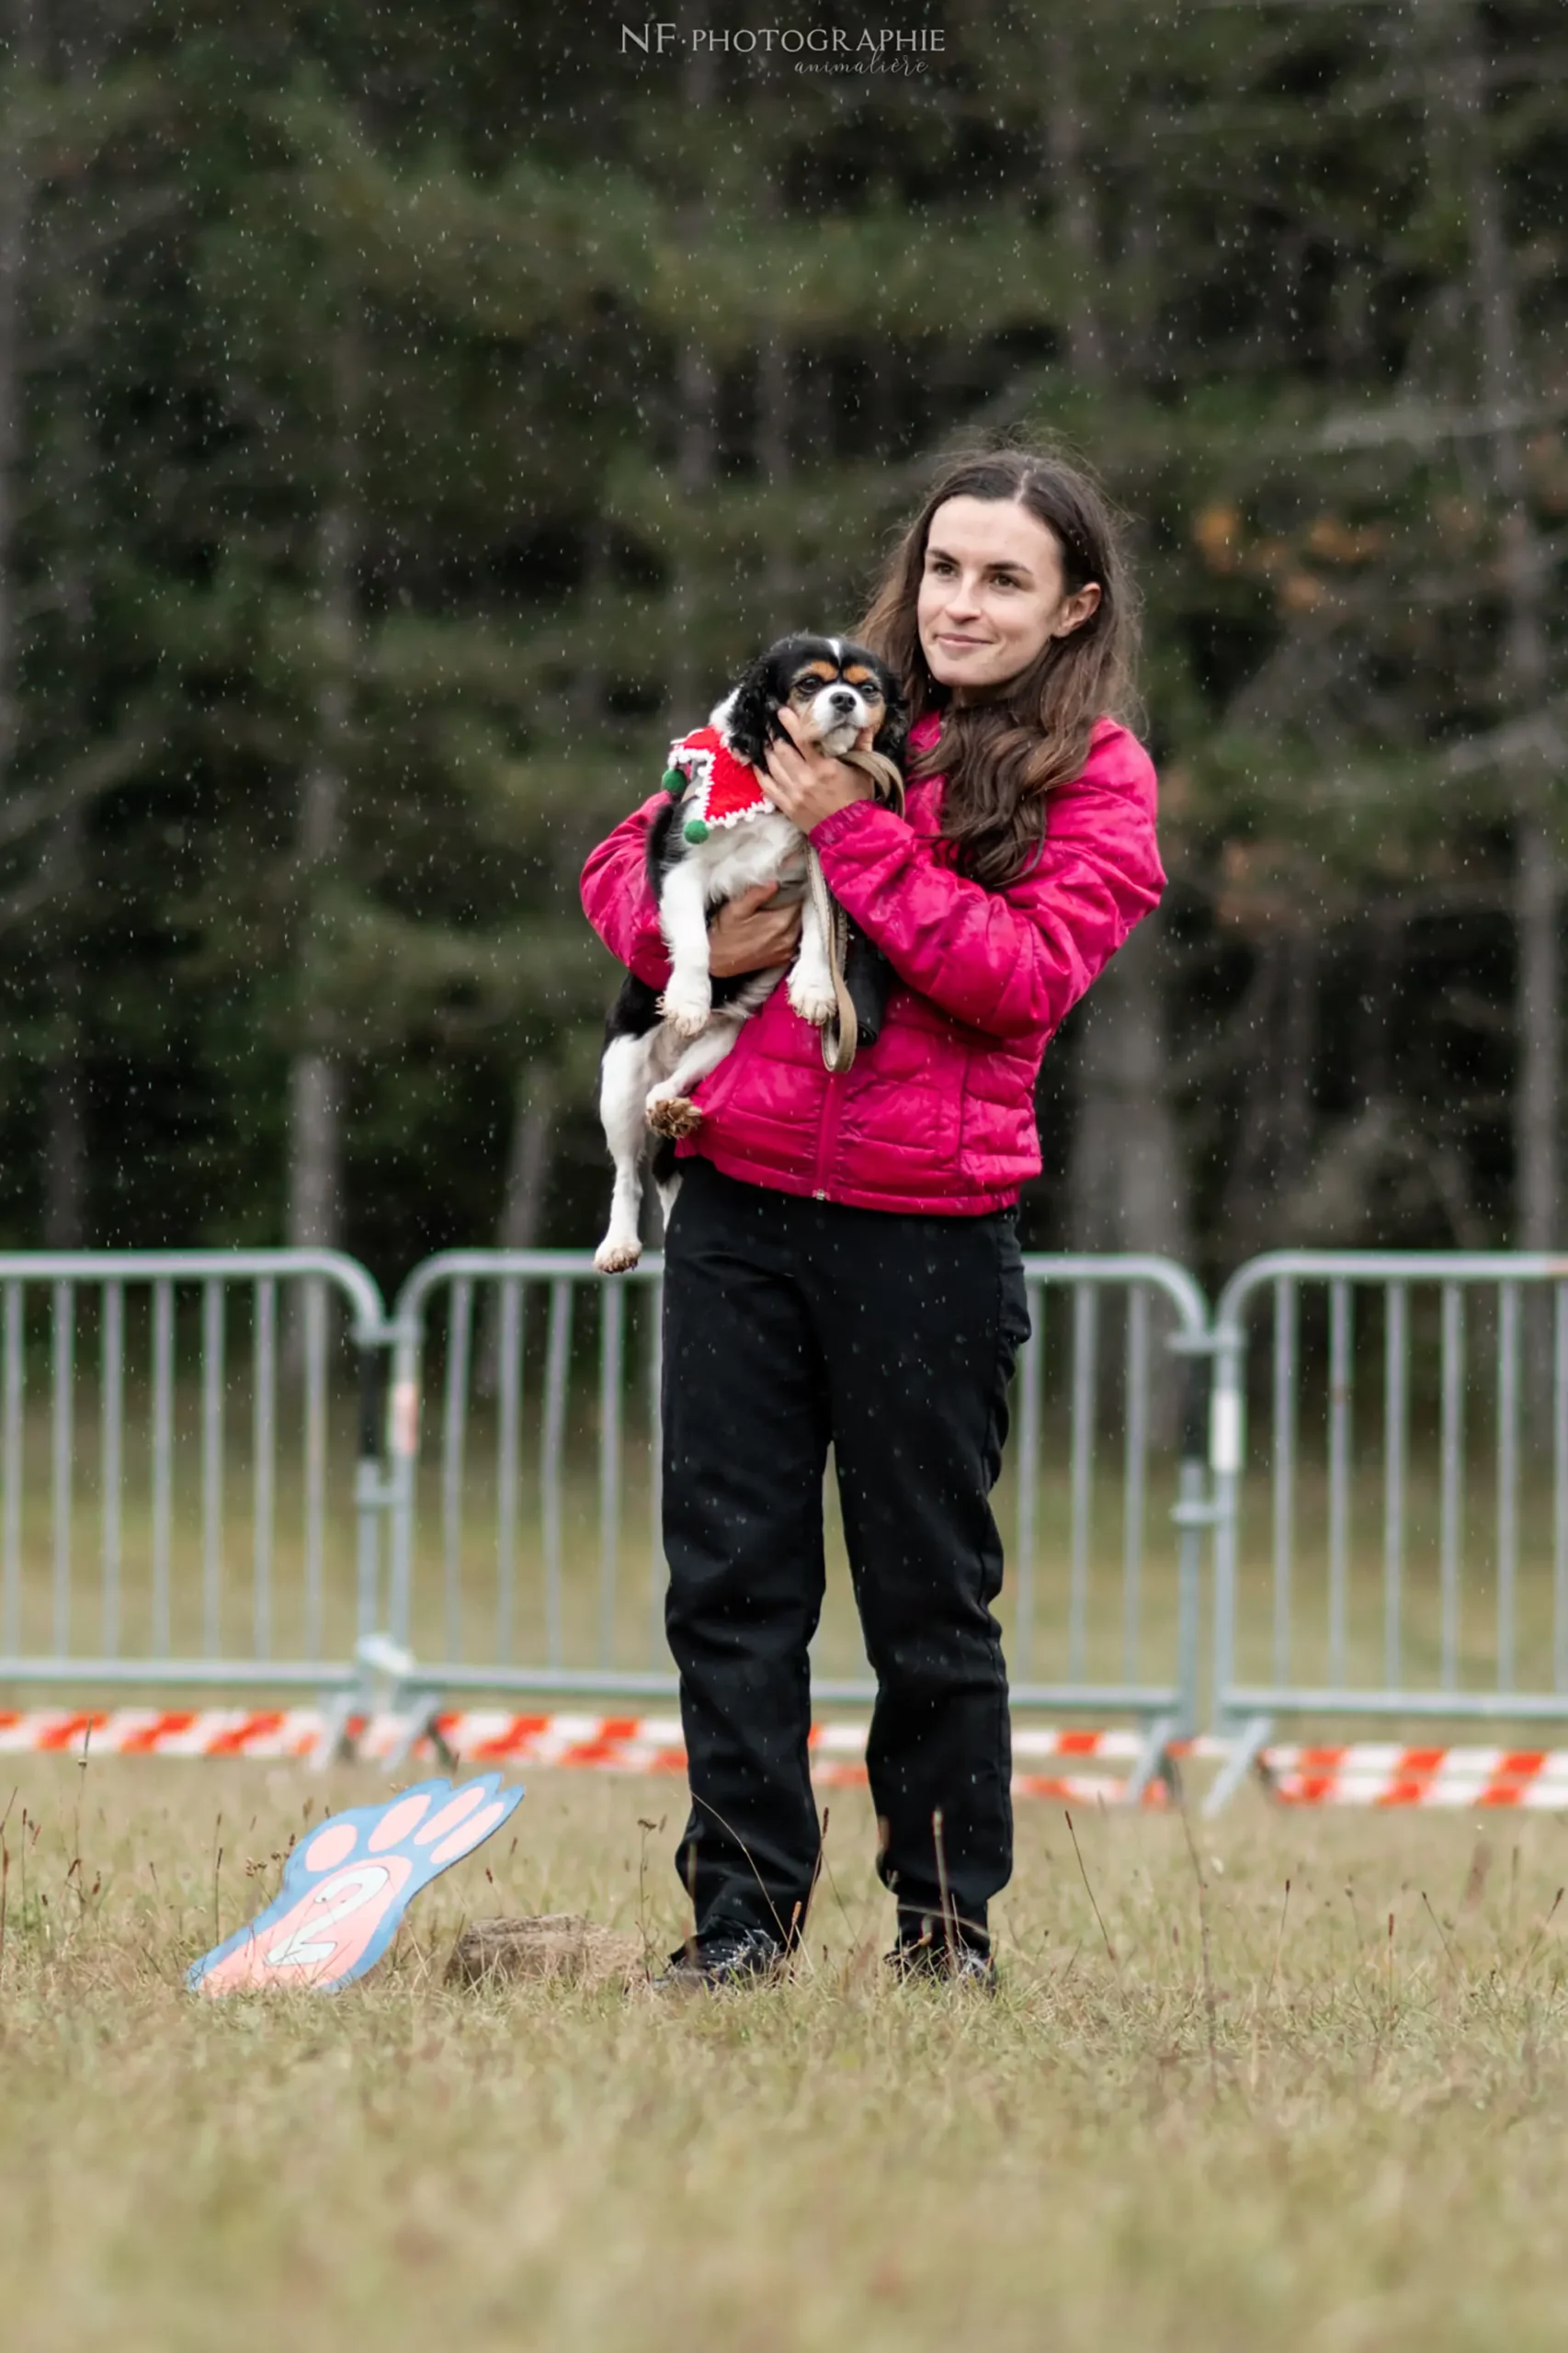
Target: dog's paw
x,y
812,1000
673,1115
614,1257
686,1011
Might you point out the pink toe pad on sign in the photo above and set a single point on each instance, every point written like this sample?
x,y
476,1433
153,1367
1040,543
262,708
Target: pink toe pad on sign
x,y
346,1887
469,1834
450,1815
331,1847
397,1822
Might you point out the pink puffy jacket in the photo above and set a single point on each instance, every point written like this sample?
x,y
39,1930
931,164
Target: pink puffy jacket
x,y
939,1115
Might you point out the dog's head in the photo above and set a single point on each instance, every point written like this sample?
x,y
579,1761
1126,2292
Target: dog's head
x,y
838,690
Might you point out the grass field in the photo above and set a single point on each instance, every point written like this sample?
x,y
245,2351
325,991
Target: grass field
x,y
1331,2133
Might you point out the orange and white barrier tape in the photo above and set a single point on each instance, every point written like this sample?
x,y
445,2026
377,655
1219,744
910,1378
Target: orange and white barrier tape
x,y
158,1732
1359,1773
1374,1773
493,1736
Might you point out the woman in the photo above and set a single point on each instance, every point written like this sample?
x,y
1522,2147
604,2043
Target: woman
x,y
841,1266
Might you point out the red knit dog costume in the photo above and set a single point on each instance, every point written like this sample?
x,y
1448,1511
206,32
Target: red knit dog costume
x,y
716,788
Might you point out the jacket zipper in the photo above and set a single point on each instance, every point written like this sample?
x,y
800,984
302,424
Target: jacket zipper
x,y
827,1134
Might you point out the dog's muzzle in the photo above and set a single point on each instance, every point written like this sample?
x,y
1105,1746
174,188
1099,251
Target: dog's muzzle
x,y
838,715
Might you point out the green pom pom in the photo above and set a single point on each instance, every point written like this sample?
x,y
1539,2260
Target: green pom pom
x,y
695,830
674,782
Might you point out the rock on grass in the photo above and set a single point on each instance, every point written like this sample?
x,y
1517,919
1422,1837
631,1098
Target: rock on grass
x,y
553,1944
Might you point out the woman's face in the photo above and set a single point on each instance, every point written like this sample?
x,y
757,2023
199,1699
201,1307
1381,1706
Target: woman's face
x,y
992,594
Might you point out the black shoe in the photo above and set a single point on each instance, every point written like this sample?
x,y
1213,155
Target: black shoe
x,y
725,1957
933,1960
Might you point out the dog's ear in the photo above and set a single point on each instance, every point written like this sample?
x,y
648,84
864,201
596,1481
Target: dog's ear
x,y
657,856
750,721
893,735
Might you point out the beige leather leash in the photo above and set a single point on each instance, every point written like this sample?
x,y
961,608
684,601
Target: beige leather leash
x,y
841,1030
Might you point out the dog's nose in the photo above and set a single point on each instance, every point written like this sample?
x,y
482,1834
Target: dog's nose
x,y
842,698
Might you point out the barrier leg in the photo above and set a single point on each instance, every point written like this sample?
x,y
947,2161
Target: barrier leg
x,y
333,1743
417,1712
1247,1747
1153,1760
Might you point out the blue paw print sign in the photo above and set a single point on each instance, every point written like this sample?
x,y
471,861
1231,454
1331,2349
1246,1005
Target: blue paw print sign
x,y
347,1886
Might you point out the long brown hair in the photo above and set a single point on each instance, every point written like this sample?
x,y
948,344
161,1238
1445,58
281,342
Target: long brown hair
x,y
1002,757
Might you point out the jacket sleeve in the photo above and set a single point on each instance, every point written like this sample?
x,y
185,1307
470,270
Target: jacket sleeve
x,y
1013,960
619,902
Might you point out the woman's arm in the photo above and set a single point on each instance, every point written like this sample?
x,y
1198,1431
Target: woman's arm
x,y
1014,960
617,901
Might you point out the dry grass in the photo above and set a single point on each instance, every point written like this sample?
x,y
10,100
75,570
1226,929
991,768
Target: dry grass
x,y
1336,2139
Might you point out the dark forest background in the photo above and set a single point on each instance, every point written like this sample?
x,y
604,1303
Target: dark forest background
x,y
410,416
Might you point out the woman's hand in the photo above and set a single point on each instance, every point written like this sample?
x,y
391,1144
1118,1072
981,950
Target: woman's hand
x,y
803,783
746,934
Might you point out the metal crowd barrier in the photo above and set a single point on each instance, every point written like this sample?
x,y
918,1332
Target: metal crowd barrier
x,y
1420,1575
525,1549
171,1509
176,1510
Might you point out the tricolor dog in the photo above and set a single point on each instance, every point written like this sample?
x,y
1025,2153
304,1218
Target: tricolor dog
x,y
717,835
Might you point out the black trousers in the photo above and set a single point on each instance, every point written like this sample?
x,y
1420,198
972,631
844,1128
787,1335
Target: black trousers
x,y
792,1324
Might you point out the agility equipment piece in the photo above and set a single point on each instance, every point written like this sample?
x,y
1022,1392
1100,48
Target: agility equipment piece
x,y
347,1886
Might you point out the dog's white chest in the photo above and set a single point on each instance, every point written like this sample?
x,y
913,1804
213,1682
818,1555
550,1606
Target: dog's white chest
x,y
760,850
